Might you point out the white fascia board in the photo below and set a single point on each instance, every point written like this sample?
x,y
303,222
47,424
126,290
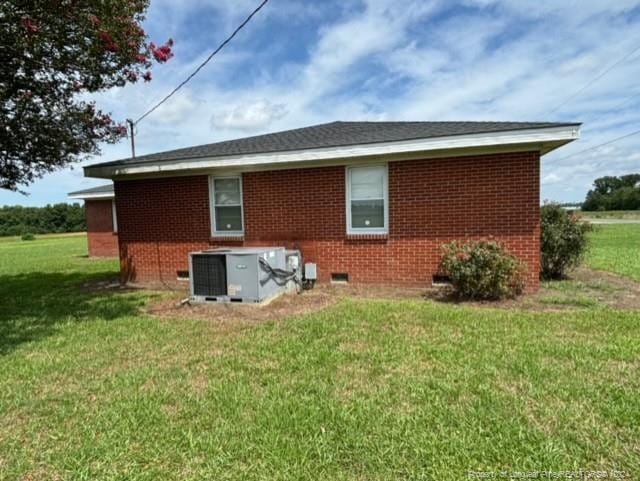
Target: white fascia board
x,y
92,196
540,136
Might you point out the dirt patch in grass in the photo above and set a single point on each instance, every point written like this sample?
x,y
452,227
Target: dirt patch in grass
x,y
586,288
171,306
287,305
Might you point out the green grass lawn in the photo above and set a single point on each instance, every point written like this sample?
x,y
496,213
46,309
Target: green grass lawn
x,y
364,390
616,248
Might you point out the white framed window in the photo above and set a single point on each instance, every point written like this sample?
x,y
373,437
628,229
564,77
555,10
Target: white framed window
x,y
113,215
225,194
368,199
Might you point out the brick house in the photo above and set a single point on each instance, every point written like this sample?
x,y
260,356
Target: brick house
x,y
102,225
369,201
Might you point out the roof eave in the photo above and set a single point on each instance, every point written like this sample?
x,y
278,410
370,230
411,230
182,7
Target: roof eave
x,y
542,139
81,196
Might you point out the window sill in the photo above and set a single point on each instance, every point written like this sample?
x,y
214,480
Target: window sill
x,y
226,238
371,236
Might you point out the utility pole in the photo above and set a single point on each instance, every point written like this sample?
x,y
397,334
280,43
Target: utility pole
x,y
133,141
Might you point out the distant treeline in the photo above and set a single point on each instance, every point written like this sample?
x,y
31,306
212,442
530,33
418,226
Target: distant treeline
x,y
57,218
614,193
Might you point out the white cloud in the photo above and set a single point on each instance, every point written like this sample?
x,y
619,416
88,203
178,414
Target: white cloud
x,y
249,116
177,110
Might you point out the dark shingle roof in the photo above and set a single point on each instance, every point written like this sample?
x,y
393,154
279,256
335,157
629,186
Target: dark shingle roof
x,y
335,134
102,189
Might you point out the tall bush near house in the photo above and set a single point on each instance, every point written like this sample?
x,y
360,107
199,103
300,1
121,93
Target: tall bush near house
x,y
563,241
482,270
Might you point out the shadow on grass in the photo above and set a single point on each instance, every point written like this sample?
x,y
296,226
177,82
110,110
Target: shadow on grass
x,y
33,305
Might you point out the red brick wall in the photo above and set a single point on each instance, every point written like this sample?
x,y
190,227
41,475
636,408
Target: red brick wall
x,y
430,202
103,242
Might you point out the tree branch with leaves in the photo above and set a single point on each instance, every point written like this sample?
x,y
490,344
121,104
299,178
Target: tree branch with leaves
x,y
52,54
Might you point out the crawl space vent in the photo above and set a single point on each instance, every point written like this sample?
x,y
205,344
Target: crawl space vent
x,y
339,277
183,275
440,280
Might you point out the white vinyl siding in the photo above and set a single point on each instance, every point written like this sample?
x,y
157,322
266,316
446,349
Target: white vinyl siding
x,y
226,205
367,200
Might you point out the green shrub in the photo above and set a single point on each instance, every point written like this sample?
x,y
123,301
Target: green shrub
x,y
28,237
563,241
482,270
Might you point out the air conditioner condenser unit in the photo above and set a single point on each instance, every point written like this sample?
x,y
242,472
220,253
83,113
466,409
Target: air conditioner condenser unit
x,y
246,274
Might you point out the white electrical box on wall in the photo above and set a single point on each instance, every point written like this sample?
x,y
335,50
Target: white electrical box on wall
x,y
310,271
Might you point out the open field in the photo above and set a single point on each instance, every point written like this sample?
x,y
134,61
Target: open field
x,y
613,215
93,388
43,237
616,248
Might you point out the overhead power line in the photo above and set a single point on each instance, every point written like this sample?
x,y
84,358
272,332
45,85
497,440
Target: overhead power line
x,y
593,80
608,142
206,61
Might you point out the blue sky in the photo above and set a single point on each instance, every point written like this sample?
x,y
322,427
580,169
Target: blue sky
x,y
304,62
